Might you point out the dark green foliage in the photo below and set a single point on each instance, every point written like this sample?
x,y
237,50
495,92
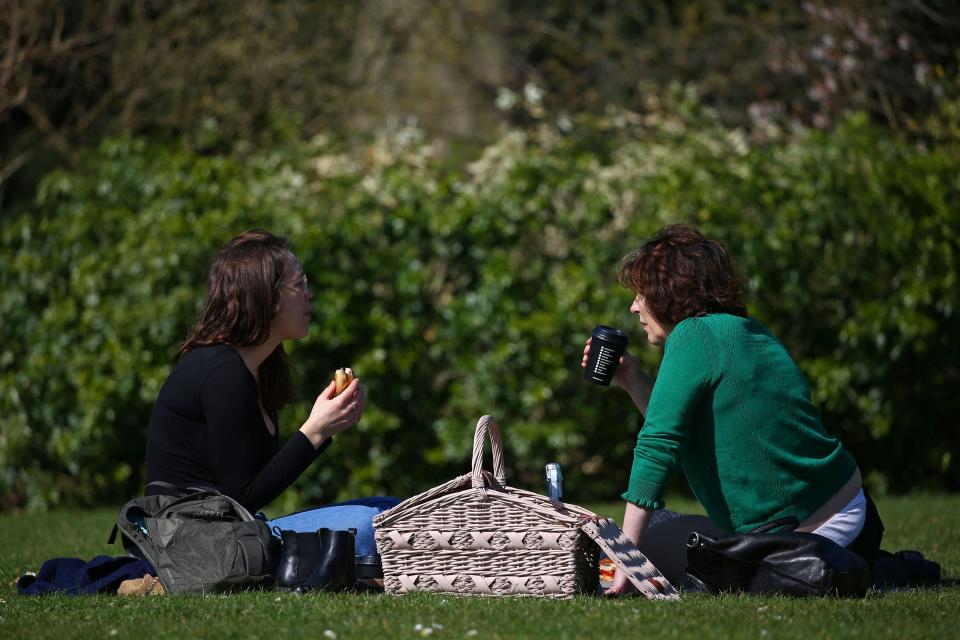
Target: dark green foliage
x,y
458,294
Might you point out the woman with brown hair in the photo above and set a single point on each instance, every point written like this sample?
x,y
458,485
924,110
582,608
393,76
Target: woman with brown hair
x,y
729,406
215,421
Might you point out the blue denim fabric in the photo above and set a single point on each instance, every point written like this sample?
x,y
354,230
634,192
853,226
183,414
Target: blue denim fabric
x,y
352,514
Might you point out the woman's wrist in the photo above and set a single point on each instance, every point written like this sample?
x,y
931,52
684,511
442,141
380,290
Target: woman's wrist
x,y
641,398
629,383
635,522
639,387
316,435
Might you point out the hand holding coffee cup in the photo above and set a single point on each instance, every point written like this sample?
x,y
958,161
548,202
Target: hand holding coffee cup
x,y
602,354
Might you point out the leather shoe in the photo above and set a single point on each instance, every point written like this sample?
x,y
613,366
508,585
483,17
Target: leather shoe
x,y
335,570
300,555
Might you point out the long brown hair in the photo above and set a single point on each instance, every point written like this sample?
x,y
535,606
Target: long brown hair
x,y
243,294
680,273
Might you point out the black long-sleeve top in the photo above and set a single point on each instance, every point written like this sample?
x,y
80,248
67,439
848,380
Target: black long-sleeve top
x,y
207,430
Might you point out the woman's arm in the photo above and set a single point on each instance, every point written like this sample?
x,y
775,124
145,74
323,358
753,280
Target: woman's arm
x,y
236,438
628,377
684,379
635,522
235,434
635,382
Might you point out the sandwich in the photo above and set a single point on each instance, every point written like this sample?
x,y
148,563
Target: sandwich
x,y
343,378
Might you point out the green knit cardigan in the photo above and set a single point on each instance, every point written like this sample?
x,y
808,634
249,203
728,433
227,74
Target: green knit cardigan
x,y
733,409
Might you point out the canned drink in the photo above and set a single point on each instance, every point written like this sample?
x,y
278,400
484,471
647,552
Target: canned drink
x,y
554,481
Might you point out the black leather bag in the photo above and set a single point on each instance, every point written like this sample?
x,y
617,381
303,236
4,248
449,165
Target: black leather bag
x,y
785,562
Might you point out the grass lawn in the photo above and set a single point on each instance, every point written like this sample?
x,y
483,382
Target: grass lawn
x,y
930,524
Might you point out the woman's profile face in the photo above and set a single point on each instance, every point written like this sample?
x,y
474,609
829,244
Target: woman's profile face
x,y
292,320
656,333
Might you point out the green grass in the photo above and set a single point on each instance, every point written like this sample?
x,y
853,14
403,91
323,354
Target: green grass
x,y
930,524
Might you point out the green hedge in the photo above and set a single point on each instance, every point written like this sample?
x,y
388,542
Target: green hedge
x,y
458,293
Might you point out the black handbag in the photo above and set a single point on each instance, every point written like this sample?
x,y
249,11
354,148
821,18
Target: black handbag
x,y
785,562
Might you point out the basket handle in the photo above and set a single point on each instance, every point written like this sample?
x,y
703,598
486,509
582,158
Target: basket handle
x,y
487,425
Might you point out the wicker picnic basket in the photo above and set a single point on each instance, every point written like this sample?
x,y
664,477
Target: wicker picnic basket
x,y
474,535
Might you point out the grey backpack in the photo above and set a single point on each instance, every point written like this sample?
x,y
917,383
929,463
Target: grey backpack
x,y
198,540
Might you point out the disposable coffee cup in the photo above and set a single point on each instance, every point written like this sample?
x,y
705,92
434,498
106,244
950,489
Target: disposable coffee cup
x,y
606,347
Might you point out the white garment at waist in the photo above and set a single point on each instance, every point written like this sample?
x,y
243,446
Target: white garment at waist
x,y
844,527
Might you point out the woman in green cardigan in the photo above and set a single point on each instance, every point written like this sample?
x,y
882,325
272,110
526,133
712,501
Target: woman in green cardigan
x,y
729,406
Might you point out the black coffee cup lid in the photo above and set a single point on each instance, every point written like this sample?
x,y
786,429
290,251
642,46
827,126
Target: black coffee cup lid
x,y
610,334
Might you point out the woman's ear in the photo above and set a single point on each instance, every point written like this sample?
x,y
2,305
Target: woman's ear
x,y
274,312
277,305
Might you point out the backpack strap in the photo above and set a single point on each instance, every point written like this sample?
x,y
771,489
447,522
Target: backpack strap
x,y
180,491
169,489
254,552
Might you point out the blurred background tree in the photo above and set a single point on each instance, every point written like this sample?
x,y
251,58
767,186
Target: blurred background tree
x,y
480,166
235,75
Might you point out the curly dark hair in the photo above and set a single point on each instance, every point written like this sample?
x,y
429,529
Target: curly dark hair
x,y
680,273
